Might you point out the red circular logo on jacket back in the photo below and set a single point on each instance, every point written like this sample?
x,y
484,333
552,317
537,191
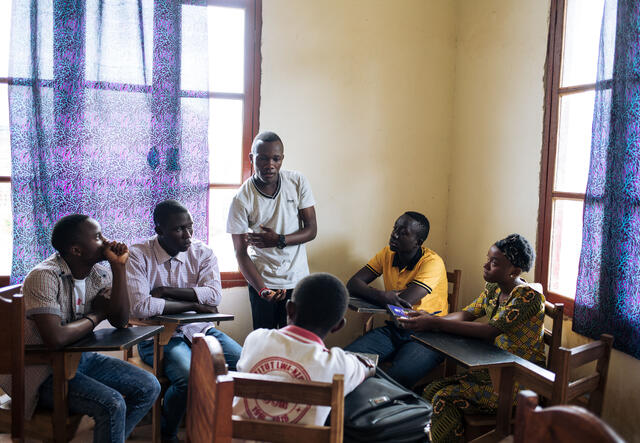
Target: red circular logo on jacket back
x,y
280,411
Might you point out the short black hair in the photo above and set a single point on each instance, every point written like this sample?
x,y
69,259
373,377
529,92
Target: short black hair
x,y
166,208
65,232
423,222
265,137
517,250
321,302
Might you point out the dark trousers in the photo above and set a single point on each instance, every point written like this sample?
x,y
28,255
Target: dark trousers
x,y
266,314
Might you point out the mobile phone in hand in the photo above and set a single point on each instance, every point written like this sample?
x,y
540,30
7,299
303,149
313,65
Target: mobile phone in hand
x,y
398,312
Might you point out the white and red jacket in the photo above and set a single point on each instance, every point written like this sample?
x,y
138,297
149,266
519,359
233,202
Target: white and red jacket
x,y
295,353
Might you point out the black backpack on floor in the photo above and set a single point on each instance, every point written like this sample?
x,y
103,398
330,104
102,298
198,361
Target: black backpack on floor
x,y
381,410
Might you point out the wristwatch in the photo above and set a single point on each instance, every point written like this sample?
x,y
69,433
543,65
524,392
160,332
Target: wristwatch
x,y
282,241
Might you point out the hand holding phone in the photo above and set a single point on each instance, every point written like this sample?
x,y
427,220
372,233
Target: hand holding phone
x,y
398,312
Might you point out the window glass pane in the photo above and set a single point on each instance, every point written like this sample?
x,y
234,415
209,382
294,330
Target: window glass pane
x,y
21,40
5,32
566,241
225,141
6,229
5,147
194,54
574,142
219,240
226,49
581,41
115,53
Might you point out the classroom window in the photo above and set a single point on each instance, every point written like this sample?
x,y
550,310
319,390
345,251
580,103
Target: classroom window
x,y
234,81
572,60
6,220
234,73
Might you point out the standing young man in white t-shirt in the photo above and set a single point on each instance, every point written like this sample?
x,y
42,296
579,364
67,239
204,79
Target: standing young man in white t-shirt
x,y
273,213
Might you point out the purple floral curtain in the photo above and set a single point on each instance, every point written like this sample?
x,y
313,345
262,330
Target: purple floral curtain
x,y
608,287
99,122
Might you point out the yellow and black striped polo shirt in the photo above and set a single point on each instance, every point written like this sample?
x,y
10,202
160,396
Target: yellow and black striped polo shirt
x,y
425,270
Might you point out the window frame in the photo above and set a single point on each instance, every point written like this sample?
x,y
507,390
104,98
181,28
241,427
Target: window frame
x,y
553,93
250,98
5,279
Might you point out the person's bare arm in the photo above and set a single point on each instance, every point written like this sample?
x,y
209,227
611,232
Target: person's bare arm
x,y
309,228
55,335
358,286
178,307
118,307
179,294
459,323
269,238
249,271
413,294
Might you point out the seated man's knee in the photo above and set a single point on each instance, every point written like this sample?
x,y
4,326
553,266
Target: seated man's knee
x,y
376,341
230,347
149,387
181,382
178,374
113,406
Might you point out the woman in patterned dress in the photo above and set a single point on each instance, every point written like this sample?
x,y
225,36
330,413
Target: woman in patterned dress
x,y
515,310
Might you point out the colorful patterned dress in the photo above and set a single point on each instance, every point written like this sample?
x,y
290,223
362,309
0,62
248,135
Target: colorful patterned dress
x,y
521,320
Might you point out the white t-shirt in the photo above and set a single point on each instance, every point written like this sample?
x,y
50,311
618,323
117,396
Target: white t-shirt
x,y
250,208
79,295
294,353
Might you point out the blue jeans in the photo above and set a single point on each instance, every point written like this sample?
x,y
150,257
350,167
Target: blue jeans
x,y
115,393
177,363
410,361
266,314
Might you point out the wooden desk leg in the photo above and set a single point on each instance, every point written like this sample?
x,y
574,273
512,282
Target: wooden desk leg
x,y
159,341
450,367
368,324
156,412
505,401
71,362
60,397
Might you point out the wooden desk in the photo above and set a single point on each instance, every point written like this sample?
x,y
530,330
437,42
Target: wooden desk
x,y
170,322
476,354
363,306
65,363
185,318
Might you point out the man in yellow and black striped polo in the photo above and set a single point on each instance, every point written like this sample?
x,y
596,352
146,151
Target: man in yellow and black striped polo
x,y
414,277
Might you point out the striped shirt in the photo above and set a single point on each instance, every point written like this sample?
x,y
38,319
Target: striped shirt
x,y
48,289
150,266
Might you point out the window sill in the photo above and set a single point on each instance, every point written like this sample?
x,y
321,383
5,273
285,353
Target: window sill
x,y
229,280
232,280
558,298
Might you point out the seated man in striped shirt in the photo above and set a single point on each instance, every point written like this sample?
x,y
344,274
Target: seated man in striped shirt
x,y
172,273
414,277
65,297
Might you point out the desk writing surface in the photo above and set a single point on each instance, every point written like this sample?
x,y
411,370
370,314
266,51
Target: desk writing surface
x,y
471,352
183,318
360,305
107,339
